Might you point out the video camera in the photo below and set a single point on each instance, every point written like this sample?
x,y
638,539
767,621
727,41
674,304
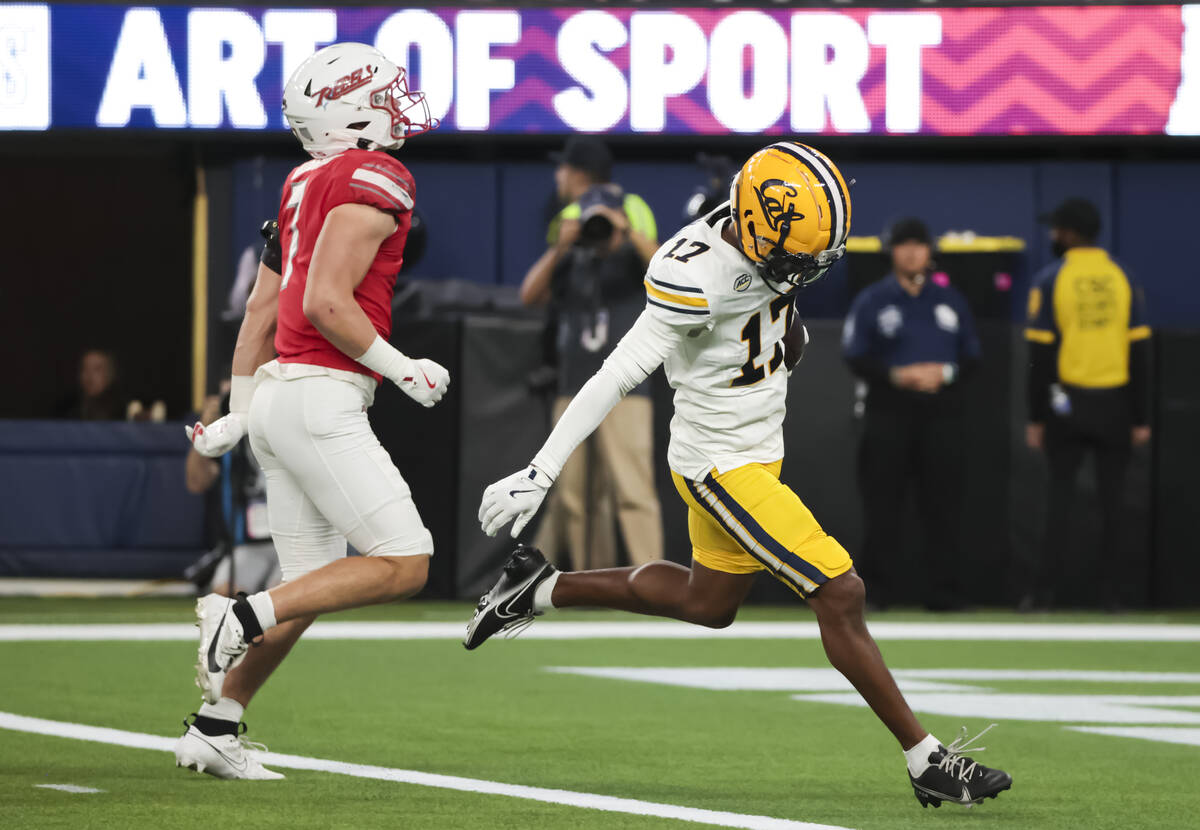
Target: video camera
x,y
596,229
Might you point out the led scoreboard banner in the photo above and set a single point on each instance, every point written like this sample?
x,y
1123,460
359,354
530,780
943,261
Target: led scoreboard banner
x,y
1095,70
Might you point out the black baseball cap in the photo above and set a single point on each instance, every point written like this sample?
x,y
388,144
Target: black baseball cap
x,y
586,153
908,229
1074,214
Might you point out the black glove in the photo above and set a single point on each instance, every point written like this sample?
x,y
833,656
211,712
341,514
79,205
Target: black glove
x,y
272,254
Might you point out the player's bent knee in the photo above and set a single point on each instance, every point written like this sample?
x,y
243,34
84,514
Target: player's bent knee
x,y
718,619
408,574
711,615
845,593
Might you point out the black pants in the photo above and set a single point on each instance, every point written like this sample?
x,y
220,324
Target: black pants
x,y
911,448
1100,424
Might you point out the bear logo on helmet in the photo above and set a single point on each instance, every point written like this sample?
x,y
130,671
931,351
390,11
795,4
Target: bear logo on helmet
x,y
779,210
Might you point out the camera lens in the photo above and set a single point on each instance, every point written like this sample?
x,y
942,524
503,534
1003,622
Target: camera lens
x,y
595,229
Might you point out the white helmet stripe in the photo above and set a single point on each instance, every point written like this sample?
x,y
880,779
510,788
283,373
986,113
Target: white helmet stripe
x,y
837,198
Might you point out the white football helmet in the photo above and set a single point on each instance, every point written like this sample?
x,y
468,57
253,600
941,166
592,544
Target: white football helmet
x,y
349,95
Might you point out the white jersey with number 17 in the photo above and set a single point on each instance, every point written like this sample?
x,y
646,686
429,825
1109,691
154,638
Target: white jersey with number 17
x,y
728,374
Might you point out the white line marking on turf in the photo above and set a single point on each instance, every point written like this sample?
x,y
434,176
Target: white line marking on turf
x,y
68,788
778,679
1131,709
1023,632
591,801
1168,734
749,679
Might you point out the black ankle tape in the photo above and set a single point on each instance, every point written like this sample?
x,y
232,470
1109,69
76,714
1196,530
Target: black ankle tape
x,y
251,628
214,726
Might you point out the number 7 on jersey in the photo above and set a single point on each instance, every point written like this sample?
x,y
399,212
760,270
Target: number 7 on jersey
x,y
293,204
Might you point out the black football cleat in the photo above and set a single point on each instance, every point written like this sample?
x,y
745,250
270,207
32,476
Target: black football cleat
x,y
956,778
509,605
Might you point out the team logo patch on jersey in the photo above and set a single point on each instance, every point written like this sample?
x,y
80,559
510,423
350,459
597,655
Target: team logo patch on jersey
x,y
946,317
890,319
742,282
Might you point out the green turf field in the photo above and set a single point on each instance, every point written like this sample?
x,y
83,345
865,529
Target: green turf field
x,y
499,715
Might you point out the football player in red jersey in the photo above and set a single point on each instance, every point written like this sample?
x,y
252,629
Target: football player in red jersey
x,y
325,297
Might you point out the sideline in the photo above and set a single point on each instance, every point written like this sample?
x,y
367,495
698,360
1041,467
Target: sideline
x,y
968,631
590,801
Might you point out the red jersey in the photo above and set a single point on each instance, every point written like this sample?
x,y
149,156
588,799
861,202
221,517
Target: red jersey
x,y
310,191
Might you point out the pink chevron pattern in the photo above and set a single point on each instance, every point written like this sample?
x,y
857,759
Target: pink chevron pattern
x,y
1076,71
996,71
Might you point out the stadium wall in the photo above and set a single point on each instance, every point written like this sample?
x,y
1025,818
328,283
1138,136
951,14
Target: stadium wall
x,y
1148,209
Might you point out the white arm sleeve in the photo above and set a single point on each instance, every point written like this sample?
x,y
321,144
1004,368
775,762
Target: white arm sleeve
x,y
642,350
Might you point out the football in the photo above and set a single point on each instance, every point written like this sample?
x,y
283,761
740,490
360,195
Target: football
x,y
794,343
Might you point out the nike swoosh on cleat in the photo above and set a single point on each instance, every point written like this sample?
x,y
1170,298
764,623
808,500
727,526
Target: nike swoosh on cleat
x,y
212,646
502,610
245,763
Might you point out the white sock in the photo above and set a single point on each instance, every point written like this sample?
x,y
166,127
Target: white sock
x,y
541,594
918,756
224,709
263,608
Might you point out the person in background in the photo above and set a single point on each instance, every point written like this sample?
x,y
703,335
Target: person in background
x,y
912,342
718,173
97,397
592,273
1088,380
244,558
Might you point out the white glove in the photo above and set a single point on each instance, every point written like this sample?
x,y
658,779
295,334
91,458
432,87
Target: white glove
x,y
517,496
220,436
425,381
421,379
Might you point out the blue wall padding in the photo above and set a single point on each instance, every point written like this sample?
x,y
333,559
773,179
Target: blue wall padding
x,y
96,498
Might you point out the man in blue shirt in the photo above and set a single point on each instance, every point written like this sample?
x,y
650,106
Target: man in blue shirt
x,y
911,341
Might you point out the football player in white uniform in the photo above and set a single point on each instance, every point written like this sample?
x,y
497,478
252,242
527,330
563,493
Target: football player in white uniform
x,y
323,302
720,300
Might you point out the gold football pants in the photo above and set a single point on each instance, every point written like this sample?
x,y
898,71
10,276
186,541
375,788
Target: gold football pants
x,y
747,520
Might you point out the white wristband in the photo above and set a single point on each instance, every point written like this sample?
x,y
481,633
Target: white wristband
x,y
241,390
387,360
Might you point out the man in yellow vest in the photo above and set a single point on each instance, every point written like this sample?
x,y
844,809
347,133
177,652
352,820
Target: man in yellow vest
x,y
1089,355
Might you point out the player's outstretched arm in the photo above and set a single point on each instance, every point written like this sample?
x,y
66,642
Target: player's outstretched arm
x,y
516,498
345,249
255,346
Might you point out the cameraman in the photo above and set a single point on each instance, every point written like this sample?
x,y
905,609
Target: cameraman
x,y
592,273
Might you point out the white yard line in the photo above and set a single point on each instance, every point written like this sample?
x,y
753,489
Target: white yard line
x,y
781,679
68,788
1015,632
31,587
1188,735
590,801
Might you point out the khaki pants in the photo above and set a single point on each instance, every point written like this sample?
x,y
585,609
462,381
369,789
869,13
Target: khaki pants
x,y
609,476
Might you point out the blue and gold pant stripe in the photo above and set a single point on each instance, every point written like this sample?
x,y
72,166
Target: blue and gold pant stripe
x,y
803,577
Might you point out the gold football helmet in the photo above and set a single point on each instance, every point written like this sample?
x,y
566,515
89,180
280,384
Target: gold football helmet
x,y
791,212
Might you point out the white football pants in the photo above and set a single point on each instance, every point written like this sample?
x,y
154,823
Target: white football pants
x,y
328,478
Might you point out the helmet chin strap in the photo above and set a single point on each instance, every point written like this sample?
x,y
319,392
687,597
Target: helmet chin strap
x,y
771,285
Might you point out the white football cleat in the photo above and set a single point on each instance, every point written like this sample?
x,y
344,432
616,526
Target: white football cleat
x,y
221,644
222,756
